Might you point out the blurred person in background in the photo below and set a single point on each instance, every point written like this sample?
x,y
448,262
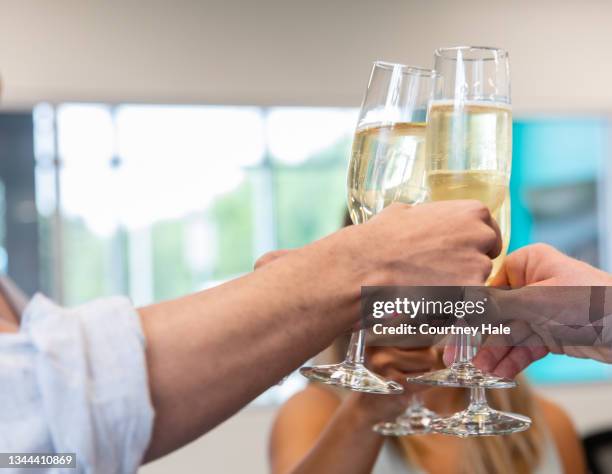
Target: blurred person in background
x,y
325,429
120,386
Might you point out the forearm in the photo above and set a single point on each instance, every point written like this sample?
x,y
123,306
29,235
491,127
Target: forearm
x,y
210,353
347,446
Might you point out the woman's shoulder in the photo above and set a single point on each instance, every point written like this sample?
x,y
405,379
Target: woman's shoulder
x,y
300,421
556,417
561,429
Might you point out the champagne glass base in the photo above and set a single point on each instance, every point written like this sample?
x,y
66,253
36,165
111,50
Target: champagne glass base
x,y
413,421
354,377
481,421
463,375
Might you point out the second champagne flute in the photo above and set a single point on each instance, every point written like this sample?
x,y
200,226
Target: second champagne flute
x,y
469,148
387,165
469,155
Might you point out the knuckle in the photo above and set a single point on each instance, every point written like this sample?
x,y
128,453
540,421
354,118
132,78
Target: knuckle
x,y
514,366
538,352
490,236
541,248
486,266
481,268
523,357
479,209
478,274
487,358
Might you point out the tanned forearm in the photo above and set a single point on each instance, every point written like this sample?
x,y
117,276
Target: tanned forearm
x,y
210,353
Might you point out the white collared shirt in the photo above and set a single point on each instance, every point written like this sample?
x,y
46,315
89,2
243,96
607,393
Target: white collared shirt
x,y
75,381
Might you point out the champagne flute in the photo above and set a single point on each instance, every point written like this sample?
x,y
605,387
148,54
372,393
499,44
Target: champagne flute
x,y
469,147
469,154
387,165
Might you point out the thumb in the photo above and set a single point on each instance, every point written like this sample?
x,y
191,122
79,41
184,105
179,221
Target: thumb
x,y
513,271
500,279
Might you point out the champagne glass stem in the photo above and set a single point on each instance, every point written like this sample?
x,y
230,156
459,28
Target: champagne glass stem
x,y
478,398
462,373
416,419
416,404
463,350
416,401
355,353
479,419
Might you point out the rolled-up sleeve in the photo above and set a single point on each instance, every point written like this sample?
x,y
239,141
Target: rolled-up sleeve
x,y
75,380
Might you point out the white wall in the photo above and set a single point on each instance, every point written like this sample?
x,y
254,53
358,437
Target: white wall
x,y
290,51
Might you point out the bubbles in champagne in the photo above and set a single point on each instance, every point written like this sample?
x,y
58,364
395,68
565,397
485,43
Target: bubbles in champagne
x,y
469,153
387,165
489,187
469,136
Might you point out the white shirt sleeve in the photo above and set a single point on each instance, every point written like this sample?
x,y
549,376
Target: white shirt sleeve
x,y
75,380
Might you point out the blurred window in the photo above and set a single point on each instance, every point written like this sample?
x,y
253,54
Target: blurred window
x,y
158,201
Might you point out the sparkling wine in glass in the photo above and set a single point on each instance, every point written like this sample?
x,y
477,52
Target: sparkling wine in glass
x,y
469,155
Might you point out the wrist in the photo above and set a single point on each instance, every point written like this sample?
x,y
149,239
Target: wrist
x,y
333,276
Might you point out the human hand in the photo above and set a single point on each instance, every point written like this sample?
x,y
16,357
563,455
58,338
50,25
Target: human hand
x,y
393,363
543,265
564,311
442,243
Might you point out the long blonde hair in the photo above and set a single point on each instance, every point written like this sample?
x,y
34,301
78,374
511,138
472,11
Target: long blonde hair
x,y
518,453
